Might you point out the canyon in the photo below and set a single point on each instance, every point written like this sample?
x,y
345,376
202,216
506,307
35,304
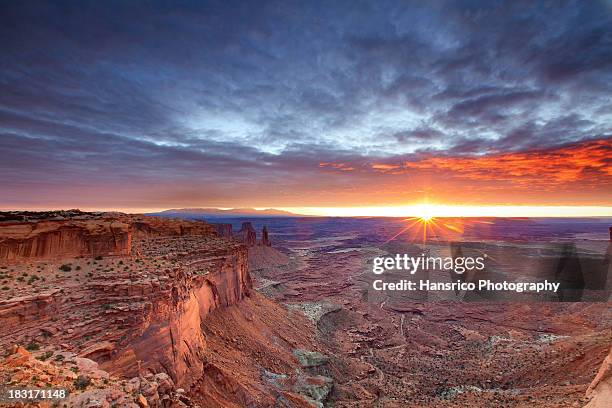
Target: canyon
x,y
138,311
133,304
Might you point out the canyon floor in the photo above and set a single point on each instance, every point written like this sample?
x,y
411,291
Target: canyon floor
x,y
429,349
172,315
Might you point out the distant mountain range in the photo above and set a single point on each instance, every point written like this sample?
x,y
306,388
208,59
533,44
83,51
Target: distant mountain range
x,y
232,212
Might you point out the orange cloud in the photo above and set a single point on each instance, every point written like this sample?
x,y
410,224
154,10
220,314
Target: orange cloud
x,y
588,162
337,166
385,167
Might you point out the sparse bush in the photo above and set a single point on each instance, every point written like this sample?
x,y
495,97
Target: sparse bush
x,y
5,288
32,346
59,357
45,355
78,268
65,268
98,258
81,382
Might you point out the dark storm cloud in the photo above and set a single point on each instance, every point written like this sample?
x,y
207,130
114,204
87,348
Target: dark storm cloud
x,y
205,93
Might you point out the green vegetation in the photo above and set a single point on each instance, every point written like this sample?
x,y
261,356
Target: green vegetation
x,y
32,346
81,382
45,356
65,268
32,279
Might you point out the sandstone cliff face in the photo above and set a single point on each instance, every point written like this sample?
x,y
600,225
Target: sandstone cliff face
x,y
132,314
168,337
63,238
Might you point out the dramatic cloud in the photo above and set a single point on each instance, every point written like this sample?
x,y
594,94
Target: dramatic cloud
x,y
156,104
585,163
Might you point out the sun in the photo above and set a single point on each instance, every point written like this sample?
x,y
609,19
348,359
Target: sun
x,y
425,217
424,213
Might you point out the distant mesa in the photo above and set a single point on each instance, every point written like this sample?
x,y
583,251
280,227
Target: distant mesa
x,y
232,212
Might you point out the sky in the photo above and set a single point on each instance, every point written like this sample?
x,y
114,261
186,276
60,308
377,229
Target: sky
x,y
291,104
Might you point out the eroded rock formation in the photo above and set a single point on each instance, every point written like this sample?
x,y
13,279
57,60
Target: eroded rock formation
x,y
265,239
224,230
247,234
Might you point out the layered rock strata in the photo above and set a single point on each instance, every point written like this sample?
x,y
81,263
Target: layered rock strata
x,y
64,238
139,310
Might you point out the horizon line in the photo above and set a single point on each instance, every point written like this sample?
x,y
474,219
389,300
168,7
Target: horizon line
x,y
415,210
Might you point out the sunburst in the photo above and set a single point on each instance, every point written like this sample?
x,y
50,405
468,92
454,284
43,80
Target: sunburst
x,y
425,226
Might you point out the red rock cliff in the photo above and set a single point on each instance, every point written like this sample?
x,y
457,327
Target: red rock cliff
x,y
63,238
141,311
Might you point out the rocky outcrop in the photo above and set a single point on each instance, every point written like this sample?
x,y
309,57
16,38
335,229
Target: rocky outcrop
x,y
600,389
247,234
265,239
224,230
88,385
63,238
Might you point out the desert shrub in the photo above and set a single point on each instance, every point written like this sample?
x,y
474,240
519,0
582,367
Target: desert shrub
x,y
45,355
98,258
81,382
78,268
5,288
32,346
65,268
